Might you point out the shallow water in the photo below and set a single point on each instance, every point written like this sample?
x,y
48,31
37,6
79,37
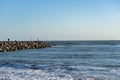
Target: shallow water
x,y
67,60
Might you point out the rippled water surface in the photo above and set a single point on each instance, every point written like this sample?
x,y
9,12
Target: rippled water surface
x,y
67,60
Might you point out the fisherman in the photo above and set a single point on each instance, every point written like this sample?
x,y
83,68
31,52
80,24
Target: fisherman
x,y
8,39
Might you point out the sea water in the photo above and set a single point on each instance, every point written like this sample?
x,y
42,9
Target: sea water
x,y
67,60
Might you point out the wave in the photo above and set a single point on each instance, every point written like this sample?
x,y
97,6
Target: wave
x,y
42,72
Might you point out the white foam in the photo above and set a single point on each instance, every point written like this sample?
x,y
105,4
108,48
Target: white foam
x,y
9,73
20,72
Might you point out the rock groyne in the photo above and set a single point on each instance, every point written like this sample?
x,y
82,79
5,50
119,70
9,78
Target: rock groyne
x,y
20,45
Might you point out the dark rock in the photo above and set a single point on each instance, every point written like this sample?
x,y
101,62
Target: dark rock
x,y
19,45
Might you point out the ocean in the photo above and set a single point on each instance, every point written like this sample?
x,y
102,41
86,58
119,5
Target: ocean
x,y
67,60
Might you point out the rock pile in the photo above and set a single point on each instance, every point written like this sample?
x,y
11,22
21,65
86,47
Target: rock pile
x,y
20,45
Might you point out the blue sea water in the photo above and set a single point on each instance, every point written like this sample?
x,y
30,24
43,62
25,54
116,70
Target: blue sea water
x,y
67,60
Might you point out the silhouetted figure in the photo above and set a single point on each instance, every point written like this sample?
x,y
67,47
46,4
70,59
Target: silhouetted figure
x,y
16,41
8,39
37,39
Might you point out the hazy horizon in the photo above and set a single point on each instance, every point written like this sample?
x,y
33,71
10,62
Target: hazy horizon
x,y
60,19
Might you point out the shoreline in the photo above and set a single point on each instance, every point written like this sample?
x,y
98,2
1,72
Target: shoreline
x,y
6,46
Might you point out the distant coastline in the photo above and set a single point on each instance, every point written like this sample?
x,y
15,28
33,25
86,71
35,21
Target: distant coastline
x,y
20,45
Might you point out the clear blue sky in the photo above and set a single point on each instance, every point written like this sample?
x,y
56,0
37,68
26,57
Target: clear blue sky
x,y
60,19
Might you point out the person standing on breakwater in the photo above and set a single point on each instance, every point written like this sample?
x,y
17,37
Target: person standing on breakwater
x,y
8,39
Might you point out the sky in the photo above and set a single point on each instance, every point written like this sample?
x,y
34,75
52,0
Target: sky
x,y
60,19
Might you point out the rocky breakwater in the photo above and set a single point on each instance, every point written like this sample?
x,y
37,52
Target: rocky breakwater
x,y
20,45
